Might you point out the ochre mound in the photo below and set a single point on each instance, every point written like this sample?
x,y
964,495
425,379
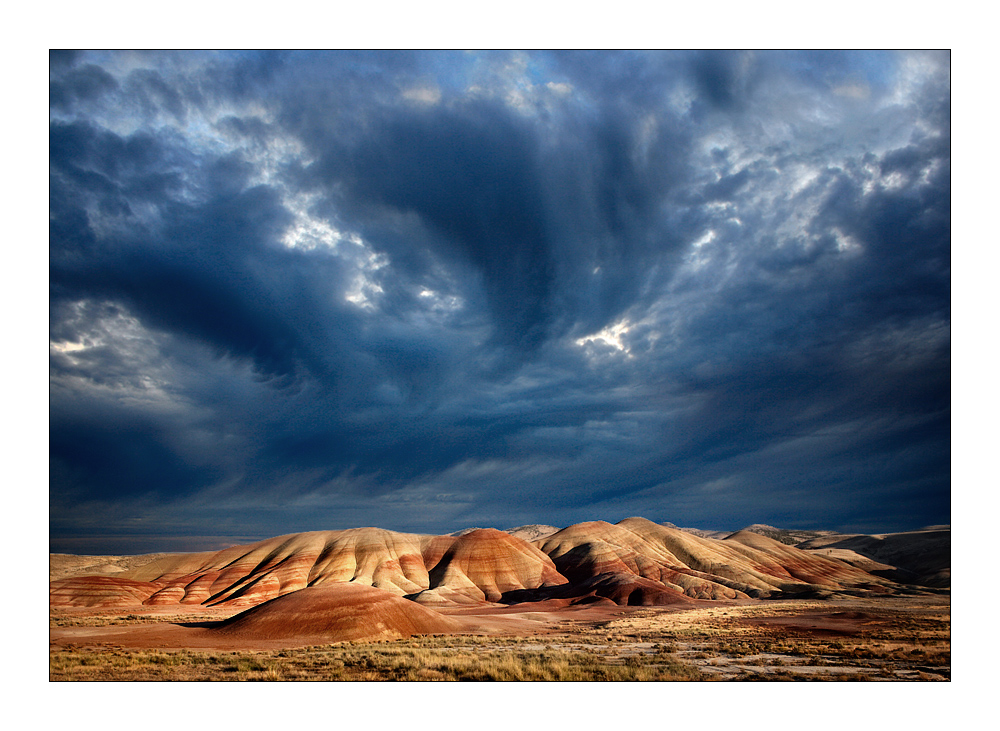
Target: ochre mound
x,y
338,613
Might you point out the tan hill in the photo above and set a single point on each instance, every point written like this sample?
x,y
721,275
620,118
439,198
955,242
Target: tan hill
x,y
810,569
337,612
857,561
634,561
64,565
920,557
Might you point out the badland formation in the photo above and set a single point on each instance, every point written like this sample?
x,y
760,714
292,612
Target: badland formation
x,y
369,584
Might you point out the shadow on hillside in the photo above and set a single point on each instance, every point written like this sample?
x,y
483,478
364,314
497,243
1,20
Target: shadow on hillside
x,y
202,625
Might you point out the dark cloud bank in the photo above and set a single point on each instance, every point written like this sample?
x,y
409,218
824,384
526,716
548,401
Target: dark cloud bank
x,y
426,291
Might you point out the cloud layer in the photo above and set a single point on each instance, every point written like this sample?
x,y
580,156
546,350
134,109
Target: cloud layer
x,y
432,290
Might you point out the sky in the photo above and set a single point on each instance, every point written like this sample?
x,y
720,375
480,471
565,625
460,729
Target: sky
x,y
427,291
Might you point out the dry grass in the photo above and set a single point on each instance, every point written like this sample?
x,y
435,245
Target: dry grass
x,y
105,619
404,660
898,640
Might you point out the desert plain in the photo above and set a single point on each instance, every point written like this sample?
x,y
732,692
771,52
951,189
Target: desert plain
x,y
635,600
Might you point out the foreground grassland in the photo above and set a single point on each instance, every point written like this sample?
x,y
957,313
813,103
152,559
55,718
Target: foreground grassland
x,y
898,639
892,639
403,660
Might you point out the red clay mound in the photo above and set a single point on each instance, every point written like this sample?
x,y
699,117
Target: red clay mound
x,y
338,612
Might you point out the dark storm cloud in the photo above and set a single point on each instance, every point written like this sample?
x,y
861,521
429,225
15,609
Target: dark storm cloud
x,y
81,84
718,77
115,449
429,290
472,177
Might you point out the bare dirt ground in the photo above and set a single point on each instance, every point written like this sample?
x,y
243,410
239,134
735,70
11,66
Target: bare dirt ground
x,y
890,638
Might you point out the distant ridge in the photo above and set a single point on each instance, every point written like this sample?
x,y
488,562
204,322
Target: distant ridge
x,y
700,532
525,532
921,557
533,532
63,565
790,537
